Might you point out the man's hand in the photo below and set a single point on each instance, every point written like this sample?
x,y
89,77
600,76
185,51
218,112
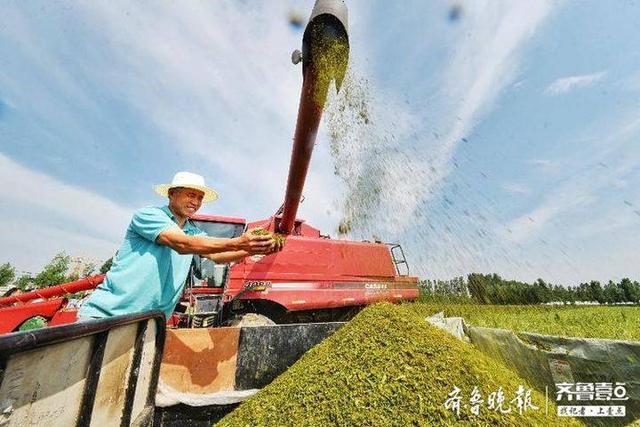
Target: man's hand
x,y
257,241
277,239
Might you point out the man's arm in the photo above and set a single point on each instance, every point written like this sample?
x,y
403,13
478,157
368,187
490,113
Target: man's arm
x,y
227,257
184,244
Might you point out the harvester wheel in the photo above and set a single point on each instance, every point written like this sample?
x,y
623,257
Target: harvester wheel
x,y
251,319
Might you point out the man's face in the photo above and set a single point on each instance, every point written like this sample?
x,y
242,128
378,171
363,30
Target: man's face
x,y
185,201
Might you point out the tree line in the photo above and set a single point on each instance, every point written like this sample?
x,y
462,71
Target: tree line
x,y
493,289
61,269
476,287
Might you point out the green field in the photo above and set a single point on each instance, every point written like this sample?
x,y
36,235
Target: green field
x,y
612,322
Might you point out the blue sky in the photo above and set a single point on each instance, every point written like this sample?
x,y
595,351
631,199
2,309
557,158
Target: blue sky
x,y
505,141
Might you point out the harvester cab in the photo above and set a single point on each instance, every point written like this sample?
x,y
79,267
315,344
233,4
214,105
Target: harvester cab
x,y
201,305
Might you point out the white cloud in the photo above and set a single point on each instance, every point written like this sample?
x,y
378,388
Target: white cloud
x,y
583,184
45,216
633,83
229,100
533,222
34,244
515,188
544,165
483,65
412,145
565,84
216,81
214,84
542,162
620,183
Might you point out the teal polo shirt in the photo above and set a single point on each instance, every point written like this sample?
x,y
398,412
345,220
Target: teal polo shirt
x,y
144,275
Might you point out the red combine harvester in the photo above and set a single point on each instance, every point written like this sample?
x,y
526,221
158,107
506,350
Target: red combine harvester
x,y
314,278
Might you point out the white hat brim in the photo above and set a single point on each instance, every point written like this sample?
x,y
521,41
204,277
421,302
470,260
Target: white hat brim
x,y
210,195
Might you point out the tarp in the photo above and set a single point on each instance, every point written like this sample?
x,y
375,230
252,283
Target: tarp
x,y
545,360
167,396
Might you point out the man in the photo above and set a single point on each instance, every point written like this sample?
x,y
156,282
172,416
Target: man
x,y
151,266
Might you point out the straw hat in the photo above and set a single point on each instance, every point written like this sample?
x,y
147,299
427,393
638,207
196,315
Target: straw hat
x,y
188,180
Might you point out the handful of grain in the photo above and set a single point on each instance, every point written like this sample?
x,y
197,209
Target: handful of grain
x,y
277,238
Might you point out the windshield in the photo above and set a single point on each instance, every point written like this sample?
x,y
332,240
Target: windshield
x,y
222,230
215,274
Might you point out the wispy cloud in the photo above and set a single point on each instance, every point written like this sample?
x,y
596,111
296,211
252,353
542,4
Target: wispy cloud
x,y
229,101
515,188
210,88
583,184
566,84
42,216
632,83
201,87
143,92
546,166
404,176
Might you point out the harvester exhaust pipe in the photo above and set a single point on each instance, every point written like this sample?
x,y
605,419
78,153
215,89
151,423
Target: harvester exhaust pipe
x,y
325,55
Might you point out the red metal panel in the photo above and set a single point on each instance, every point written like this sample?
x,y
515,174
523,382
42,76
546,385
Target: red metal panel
x,y
205,290
308,231
304,257
12,317
64,316
309,299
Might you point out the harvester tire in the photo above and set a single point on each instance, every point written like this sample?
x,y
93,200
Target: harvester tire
x,y
250,320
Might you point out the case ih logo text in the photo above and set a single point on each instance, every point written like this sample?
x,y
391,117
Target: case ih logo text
x,y
375,286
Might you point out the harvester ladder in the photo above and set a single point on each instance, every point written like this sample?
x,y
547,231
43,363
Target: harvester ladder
x,y
397,255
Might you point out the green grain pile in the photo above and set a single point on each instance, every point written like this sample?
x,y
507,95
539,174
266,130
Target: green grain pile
x,y
388,367
610,322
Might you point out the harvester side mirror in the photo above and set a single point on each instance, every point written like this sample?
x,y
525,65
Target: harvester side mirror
x,y
296,57
196,266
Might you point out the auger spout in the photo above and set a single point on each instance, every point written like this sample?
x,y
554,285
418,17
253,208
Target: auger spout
x,y
325,55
